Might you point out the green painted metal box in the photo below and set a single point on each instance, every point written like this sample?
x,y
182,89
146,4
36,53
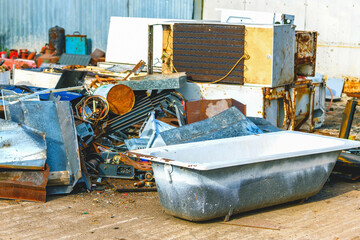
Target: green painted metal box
x,y
76,44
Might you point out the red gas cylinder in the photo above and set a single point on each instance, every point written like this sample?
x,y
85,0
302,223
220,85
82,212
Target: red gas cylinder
x,y
24,53
3,54
13,53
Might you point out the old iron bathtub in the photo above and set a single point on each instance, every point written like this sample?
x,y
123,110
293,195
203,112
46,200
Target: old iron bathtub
x,y
205,180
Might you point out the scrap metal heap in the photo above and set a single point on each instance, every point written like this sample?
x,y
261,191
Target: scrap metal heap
x,y
85,132
90,124
93,116
87,135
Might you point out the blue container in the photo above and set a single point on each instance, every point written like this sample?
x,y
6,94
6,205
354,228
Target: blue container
x,y
76,44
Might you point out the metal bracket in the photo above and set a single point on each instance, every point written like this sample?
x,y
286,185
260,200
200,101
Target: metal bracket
x,y
348,118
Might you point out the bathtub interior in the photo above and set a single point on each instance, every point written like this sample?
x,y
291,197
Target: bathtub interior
x,y
214,154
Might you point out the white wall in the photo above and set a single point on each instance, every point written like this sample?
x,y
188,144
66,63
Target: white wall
x,y
337,22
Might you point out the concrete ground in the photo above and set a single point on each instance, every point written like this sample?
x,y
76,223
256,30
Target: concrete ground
x,y
334,213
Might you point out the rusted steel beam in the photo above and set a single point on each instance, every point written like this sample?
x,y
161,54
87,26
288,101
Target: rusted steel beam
x,y
24,185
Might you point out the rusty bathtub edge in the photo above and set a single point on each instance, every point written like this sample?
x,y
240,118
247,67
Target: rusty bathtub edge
x,y
163,160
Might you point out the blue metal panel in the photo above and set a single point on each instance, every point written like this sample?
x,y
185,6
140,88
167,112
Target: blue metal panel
x,y
175,9
25,24
76,44
55,119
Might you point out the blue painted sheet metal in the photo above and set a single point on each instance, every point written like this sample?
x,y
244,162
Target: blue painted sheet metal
x,y
64,96
55,119
227,124
21,147
25,24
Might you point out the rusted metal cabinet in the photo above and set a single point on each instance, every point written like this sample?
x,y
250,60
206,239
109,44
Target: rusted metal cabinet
x,y
207,53
305,54
292,105
301,102
271,50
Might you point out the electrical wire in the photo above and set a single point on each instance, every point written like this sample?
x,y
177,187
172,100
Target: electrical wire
x,y
331,100
104,111
245,57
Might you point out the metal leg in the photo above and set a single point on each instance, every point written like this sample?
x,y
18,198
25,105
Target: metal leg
x,y
150,50
347,118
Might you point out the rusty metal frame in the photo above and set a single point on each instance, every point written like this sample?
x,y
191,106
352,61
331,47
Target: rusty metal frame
x,y
289,98
27,185
301,60
312,99
348,118
273,94
297,124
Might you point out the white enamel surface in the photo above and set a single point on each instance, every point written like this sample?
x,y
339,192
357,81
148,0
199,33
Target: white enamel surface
x,y
245,150
36,79
128,40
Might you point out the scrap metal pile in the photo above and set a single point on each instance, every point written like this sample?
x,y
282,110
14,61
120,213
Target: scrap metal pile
x,y
82,127
88,118
80,135
63,137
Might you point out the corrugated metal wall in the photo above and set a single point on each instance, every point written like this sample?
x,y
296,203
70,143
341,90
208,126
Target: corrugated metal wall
x,y
25,23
